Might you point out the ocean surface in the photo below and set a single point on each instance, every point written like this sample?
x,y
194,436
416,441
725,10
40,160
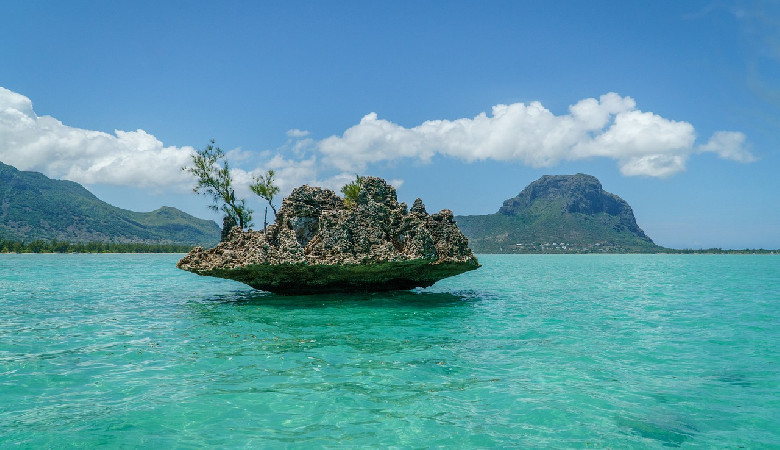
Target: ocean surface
x,y
561,351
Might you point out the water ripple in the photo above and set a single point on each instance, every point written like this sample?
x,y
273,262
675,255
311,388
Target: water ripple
x,y
528,351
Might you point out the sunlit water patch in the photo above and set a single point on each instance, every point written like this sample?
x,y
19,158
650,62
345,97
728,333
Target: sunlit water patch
x,y
528,351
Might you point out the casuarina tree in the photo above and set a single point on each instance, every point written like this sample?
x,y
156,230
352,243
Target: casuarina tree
x,y
264,187
212,171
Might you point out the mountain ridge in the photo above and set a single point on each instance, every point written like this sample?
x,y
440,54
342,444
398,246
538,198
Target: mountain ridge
x,y
35,207
559,214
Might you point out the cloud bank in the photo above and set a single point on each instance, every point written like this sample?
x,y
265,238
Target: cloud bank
x,y
125,158
641,143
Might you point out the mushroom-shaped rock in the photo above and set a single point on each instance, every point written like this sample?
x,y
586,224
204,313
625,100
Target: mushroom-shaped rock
x,y
319,245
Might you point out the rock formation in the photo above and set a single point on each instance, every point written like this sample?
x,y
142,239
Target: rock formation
x,y
580,193
319,244
559,214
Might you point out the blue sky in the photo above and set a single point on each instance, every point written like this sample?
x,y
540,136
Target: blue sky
x,y
674,106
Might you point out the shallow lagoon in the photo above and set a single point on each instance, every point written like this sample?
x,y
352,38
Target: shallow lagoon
x,y
529,350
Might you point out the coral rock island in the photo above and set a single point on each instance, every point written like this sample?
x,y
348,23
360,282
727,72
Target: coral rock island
x,y
321,243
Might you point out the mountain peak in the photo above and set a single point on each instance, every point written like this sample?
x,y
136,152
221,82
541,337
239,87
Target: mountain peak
x,y
581,193
572,209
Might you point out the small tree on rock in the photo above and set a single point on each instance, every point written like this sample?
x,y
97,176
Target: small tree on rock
x,y
351,191
212,170
264,187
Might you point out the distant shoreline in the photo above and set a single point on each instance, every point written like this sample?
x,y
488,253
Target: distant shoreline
x,y
670,252
106,248
54,246
663,251
39,246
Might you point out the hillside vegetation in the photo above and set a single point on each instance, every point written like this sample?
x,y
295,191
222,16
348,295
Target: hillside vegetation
x,y
559,214
35,207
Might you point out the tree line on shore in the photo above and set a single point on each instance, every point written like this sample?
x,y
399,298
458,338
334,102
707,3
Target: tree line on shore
x,y
55,246
721,251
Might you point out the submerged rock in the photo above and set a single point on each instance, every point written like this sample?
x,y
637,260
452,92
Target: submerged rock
x,y
319,244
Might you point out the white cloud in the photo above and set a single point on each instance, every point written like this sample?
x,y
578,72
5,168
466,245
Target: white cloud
x,y
137,158
291,173
374,140
43,143
729,145
642,143
652,165
636,134
296,133
288,174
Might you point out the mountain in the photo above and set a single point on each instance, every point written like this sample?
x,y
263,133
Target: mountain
x,y
559,214
33,206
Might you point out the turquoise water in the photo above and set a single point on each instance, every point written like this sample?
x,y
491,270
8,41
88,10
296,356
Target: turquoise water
x,y
637,351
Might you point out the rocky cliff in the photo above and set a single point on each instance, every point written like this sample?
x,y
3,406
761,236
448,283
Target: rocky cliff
x,y
578,193
320,244
559,214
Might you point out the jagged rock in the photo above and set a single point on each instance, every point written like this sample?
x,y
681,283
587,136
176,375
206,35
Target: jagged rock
x,y
319,245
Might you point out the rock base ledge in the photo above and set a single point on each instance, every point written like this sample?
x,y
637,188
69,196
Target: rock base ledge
x,y
305,279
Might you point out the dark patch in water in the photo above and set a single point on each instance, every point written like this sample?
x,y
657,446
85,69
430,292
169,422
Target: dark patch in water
x,y
669,434
735,379
390,299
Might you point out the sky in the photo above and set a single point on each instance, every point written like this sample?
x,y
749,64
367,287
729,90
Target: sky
x,y
674,106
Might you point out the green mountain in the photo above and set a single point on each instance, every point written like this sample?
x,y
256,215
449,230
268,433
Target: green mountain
x,y
33,206
559,214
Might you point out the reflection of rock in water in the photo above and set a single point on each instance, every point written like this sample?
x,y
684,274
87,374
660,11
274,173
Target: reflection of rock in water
x,y
384,299
320,245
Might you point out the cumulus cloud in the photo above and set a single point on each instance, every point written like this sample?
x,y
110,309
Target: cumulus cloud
x,y
642,143
136,158
44,144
